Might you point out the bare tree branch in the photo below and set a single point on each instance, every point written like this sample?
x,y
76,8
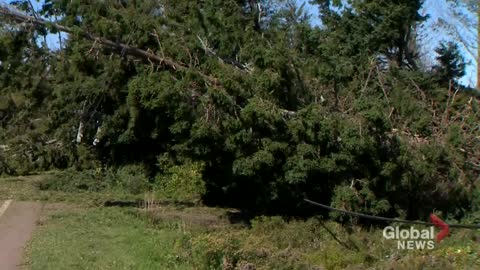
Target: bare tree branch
x,y
243,67
129,50
133,51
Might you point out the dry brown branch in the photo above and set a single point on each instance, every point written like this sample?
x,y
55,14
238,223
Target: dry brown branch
x,y
166,62
373,65
450,101
133,51
424,97
382,85
243,67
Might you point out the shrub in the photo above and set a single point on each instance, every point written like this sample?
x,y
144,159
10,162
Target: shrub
x,y
182,182
129,178
71,181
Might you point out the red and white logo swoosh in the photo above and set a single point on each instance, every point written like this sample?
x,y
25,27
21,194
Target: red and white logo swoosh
x,y
444,228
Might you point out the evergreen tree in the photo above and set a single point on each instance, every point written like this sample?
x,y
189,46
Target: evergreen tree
x,y
463,18
451,63
269,108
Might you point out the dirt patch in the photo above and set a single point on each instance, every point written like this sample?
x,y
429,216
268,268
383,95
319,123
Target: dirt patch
x,y
202,217
189,219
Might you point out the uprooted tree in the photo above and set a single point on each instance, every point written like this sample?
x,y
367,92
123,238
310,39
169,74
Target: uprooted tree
x,y
272,108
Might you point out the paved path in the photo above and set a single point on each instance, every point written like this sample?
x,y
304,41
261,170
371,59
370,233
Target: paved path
x,y
17,222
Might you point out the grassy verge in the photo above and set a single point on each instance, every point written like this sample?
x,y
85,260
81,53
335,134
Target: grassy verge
x,y
26,188
202,238
100,238
79,234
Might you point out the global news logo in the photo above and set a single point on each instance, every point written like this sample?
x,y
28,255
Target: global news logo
x,y
412,238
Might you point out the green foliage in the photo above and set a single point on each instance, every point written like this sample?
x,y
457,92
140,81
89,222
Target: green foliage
x,y
182,182
74,181
451,63
131,179
112,238
259,104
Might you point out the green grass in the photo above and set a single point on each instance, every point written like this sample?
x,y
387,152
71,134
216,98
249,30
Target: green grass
x,y
26,188
101,238
78,234
176,238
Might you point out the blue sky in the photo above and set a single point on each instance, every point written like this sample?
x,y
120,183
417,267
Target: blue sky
x,y
440,10
430,37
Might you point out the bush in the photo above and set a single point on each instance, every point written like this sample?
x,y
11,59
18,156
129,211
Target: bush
x,y
182,182
130,178
72,181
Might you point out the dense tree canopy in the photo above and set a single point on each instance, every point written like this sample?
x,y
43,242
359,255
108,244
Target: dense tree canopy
x,y
271,109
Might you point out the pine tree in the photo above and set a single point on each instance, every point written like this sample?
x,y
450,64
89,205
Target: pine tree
x,y
457,21
451,63
250,94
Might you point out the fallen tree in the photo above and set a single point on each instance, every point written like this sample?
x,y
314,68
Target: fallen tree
x,y
18,17
335,141
125,49
122,48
